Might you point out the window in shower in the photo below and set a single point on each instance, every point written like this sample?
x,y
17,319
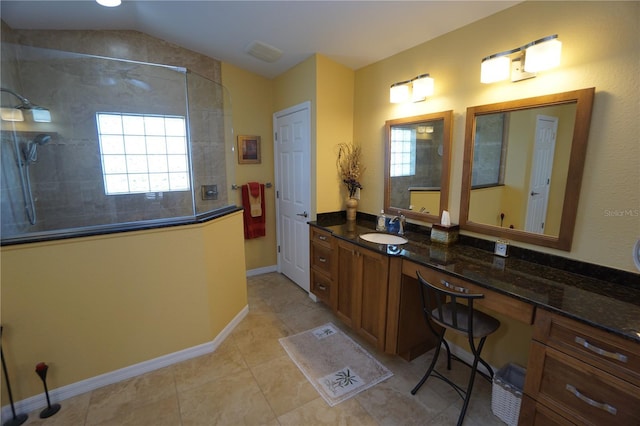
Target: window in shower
x,y
143,153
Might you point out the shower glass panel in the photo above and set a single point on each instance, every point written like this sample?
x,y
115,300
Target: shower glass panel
x,y
93,144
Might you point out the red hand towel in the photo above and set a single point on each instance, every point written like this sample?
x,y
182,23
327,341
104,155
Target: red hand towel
x,y
254,227
254,188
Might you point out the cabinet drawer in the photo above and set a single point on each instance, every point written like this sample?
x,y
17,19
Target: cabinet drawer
x,y
506,305
321,237
534,414
585,394
614,354
321,286
321,257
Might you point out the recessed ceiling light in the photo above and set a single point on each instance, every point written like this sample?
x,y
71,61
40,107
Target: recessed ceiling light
x,y
109,3
263,51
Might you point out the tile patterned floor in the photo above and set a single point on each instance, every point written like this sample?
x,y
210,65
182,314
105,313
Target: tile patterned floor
x,y
250,380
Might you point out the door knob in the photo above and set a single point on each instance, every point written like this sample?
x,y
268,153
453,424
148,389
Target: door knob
x,y
534,193
304,214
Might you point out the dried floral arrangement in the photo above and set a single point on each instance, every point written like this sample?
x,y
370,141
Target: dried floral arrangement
x,y
349,166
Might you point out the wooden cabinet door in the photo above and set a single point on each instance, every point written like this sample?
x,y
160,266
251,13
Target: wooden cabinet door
x,y
344,287
371,296
361,290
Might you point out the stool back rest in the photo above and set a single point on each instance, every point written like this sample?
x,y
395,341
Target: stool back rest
x,y
436,298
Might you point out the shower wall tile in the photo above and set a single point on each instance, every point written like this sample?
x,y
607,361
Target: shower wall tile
x,y
68,183
123,44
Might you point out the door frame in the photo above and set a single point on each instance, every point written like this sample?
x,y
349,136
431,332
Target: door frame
x,y
304,106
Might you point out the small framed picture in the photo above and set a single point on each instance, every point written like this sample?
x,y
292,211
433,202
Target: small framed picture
x,y
249,149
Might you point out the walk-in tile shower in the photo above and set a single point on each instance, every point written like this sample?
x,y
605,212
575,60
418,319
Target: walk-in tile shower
x,y
93,144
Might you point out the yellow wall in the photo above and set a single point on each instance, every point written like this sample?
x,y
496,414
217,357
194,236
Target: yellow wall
x,y
293,87
600,48
334,125
89,306
252,105
486,204
429,200
328,86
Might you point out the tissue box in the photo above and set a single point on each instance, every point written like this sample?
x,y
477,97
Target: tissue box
x,y
444,234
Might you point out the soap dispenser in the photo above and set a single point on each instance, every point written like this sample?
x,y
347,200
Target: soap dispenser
x,y
381,225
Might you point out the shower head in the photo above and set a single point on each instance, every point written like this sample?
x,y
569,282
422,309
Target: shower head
x,y
30,151
41,139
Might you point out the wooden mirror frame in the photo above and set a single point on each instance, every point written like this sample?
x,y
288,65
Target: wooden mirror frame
x,y
584,104
447,118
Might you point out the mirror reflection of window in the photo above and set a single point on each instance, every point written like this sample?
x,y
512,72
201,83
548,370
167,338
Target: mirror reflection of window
x,y
417,154
489,152
403,152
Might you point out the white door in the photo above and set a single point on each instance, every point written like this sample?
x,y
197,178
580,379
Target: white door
x,y
540,180
293,191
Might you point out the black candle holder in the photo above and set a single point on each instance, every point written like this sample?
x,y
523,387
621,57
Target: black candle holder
x,y
17,419
51,409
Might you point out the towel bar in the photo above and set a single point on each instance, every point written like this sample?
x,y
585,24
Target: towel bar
x,y
266,185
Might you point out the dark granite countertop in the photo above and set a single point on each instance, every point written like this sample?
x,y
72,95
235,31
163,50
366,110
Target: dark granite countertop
x,y
610,306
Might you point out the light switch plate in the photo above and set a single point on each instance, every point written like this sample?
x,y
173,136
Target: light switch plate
x,y
501,248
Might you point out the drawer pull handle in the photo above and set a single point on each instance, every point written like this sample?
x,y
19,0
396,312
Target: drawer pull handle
x,y
454,287
321,287
322,238
599,351
322,259
601,405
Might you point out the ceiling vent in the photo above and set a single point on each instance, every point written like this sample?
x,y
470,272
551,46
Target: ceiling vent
x,y
263,51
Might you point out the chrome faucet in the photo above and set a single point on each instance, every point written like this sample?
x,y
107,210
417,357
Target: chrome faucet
x,y
401,219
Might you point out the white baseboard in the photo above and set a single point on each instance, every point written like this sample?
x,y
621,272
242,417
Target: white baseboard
x,y
263,270
60,394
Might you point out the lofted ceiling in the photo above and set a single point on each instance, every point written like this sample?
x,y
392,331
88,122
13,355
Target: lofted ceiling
x,y
354,33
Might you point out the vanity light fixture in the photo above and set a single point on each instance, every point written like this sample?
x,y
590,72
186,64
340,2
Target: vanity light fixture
x,y
543,54
539,55
11,114
414,90
399,92
495,67
422,87
109,3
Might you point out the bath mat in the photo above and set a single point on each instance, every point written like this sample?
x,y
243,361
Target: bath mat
x,y
333,363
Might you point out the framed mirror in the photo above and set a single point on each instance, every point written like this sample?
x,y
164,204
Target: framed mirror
x,y
523,165
417,154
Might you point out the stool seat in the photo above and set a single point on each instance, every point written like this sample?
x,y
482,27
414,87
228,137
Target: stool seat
x,y
483,324
443,311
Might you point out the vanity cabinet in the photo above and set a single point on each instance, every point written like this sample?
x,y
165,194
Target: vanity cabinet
x,y
323,265
578,374
361,291
353,281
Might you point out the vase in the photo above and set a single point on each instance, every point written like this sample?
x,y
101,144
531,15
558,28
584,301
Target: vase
x,y
352,207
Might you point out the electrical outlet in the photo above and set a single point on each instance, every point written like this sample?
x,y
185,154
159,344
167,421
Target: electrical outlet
x,y
501,248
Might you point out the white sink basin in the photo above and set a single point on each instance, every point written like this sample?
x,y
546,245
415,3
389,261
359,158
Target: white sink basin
x,y
380,238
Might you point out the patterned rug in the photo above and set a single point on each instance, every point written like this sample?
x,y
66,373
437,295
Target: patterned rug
x,y
334,364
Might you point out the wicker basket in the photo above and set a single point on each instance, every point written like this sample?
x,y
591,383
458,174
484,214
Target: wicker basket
x,y
506,393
